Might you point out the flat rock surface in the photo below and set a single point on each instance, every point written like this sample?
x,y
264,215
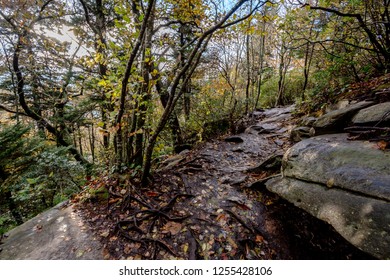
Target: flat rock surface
x,y
56,234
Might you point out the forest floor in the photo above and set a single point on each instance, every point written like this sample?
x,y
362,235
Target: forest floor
x,y
211,203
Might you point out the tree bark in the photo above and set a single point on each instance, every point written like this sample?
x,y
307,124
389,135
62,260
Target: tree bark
x,y
13,208
261,63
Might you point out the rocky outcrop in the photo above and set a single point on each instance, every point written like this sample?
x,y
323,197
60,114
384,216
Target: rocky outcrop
x,y
345,183
336,120
332,160
363,221
373,114
56,234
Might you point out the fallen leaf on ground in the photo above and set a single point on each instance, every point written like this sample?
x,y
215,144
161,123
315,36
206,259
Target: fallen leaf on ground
x,y
383,145
172,227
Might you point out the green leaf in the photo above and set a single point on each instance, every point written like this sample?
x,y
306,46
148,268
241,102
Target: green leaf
x,y
32,181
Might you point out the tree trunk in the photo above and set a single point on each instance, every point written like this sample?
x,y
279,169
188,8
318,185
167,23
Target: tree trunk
x,y
173,121
80,140
261,63
248,74
13,208
91,137
280,98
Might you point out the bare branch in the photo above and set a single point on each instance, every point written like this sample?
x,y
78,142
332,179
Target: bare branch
x,y
363,25
2,107
259,5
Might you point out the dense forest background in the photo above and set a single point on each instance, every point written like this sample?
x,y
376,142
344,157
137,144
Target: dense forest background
x,y
98,87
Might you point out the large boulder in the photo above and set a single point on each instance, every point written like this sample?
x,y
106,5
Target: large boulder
x,y
332,160
336,120
345,183
373,114
363,221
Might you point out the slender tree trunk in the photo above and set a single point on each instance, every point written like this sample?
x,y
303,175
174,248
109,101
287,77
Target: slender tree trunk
x,y
173,121
182,56
261,63
283,67
308,59
99,26
106,134
91,136
279,100
248,73
147,68
80,140
13,208
186,71
124,83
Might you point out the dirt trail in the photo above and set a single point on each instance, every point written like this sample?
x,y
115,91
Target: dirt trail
x,y
221,186
211,203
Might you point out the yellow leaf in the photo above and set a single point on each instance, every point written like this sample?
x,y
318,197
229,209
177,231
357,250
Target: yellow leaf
x,y
185,248
102,83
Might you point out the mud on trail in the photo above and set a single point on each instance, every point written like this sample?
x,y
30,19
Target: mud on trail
x,y
211,203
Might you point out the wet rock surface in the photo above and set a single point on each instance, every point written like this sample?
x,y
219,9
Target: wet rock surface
x,y
333,160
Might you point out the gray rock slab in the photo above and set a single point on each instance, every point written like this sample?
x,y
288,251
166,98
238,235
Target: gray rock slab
x,y
56,234
332,160
335,121
279,111
373,114
363,221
